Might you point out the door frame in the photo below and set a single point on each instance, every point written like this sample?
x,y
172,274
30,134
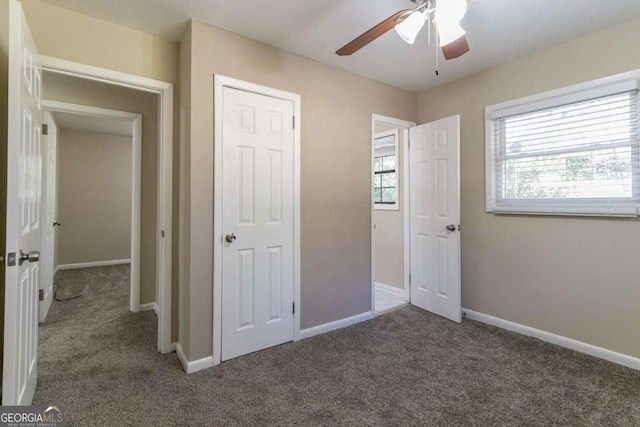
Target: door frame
x,y
136,179
44,253
403,125
164,207
220,82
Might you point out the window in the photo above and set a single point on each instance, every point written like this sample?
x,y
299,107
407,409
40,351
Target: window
x,y
572,152
385,170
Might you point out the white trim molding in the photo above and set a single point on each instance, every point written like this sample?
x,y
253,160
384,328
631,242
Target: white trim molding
x,y
151,306
338,324
92,264
164,231
579,346
220,82
390,289
196,365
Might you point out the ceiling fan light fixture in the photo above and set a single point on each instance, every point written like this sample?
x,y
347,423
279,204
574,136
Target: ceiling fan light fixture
x,y
409,28
449,13
449,33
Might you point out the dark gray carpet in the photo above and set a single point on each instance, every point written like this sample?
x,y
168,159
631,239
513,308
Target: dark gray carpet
x,y
407,367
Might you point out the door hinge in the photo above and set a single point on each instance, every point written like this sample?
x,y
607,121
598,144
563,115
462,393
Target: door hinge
x,y
294,308
45,129
11,259
409,278
294,122
162,233
41,295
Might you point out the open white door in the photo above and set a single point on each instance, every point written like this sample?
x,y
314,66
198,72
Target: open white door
x,y
435,217
50,145
24,183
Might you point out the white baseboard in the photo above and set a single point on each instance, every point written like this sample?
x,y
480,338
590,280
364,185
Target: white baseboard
x,y
150,306
338,324
582,347
93,264
174,346
389,289
196,365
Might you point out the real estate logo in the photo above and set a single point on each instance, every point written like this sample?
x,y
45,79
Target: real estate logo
x,y
31,416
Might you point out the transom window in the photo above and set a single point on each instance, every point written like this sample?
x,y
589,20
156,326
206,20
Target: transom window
x,y
385,170
571,152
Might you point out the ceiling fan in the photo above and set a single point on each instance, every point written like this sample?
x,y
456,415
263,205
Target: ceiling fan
x,y
445,17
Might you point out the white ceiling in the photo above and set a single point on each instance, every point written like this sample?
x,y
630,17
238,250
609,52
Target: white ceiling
x,y
84,123
497,30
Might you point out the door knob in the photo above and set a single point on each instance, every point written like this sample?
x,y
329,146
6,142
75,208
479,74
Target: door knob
x,y
451,227
32,256
230,237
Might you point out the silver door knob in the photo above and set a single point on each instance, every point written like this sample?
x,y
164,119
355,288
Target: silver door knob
x,y
451,227
32,256
230,237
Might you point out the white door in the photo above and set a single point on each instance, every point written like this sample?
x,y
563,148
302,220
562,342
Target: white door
x,y
257,222
435,217
50,143
24,183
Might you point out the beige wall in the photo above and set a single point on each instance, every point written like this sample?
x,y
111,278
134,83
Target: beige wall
x,y
94,196
576,277
75,37
335,180
184,229
79,91
64,34
389,249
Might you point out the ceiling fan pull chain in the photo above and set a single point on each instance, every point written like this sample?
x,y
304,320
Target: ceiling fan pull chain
x,y
437,57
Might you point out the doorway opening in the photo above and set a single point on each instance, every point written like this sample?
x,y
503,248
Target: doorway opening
x,y
91,206
390,287
76,83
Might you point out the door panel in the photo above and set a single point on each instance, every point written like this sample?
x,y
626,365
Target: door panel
x,y
257,204
24,186
435,205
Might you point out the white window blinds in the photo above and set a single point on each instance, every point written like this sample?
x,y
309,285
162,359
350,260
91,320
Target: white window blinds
x,y
580,157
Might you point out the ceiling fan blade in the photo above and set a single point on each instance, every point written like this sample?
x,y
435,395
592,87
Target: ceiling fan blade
x,y
456,48
373,33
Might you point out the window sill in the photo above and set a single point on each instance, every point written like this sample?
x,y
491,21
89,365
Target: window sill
x,y
393,207
624,211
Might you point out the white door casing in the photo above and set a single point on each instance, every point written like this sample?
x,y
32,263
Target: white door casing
x,y
434,206
164,90
24,182
50,144
258,208
404,126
